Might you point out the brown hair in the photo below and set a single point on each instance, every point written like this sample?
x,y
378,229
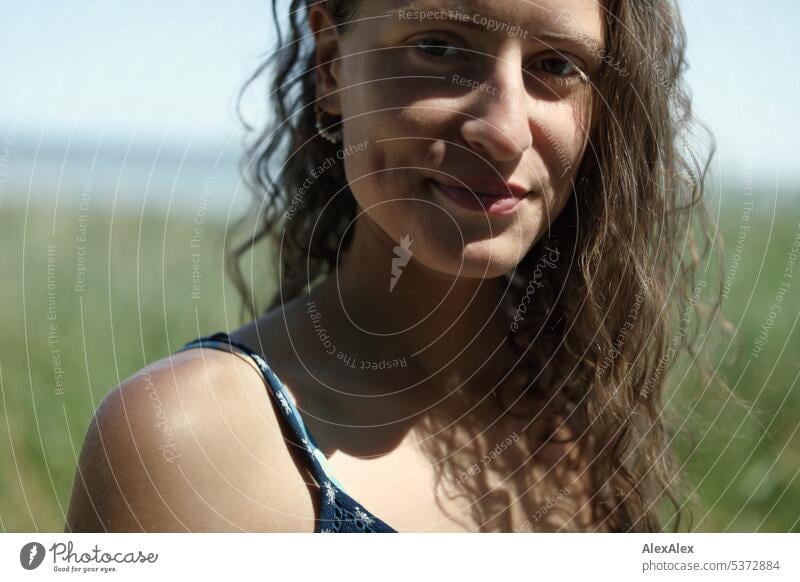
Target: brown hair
x,y
634,232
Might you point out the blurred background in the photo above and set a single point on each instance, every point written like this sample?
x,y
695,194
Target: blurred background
x,y
119,144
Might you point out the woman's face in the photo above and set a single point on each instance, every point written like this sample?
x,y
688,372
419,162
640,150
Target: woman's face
x,y
474,115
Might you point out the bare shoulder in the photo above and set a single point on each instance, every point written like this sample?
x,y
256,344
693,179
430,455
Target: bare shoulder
x,y
190,443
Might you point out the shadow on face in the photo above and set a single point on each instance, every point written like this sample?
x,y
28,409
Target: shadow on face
x,y
471,118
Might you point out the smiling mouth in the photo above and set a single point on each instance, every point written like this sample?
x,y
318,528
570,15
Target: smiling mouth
x,y
496,202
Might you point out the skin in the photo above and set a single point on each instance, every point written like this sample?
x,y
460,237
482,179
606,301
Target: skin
x,y
211,455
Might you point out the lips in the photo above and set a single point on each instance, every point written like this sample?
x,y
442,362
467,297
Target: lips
x,y
484,188
484,197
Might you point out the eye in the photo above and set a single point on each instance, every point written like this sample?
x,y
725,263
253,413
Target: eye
x,y
558,66
559,70
435,46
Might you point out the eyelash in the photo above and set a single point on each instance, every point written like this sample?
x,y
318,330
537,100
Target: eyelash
x,y
432,41
564,80
577,74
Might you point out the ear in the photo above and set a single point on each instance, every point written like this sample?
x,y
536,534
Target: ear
x,y
327,63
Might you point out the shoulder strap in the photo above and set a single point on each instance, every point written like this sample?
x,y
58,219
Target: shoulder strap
x,y
221,341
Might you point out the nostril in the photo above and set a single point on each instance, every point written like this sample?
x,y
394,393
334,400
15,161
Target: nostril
x,y
499,127
498,142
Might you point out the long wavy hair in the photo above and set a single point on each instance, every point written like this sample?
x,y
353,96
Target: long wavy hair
x,y
605,326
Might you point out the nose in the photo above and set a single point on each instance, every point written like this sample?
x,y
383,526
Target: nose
x,y
498,126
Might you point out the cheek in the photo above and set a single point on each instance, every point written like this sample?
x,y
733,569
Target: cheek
x,y
376,176
402,143
388,189
386,182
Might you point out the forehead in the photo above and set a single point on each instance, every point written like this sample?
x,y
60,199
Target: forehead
x,y
584,16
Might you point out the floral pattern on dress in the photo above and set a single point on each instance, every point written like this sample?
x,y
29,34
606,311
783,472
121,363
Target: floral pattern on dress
x,y
260,361
284,404
309,447
330,492
360,514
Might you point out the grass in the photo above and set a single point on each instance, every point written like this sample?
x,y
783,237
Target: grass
x,y
137,305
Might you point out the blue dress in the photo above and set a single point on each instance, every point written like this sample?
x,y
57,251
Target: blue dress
x,y
339,512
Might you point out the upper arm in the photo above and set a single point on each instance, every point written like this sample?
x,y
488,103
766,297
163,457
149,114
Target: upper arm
x,y
126,478
185,445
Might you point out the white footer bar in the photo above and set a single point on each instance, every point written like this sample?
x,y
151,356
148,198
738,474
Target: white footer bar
x,y
462,557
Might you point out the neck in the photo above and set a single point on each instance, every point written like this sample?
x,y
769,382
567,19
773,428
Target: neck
x,y
449,331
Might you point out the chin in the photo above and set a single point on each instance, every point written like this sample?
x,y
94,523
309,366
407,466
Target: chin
x,y
487,259
445,243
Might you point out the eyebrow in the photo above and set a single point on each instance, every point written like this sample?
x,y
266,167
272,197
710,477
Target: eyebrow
x,y
586,41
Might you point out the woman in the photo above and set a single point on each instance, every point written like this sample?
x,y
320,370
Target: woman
x,y
481,213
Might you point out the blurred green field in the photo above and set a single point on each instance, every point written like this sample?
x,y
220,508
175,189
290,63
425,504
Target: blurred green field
x,y
137,305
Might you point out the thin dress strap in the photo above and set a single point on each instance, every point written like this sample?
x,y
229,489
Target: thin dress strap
x,y
339,512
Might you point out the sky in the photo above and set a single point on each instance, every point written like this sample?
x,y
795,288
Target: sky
x,y
167,73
